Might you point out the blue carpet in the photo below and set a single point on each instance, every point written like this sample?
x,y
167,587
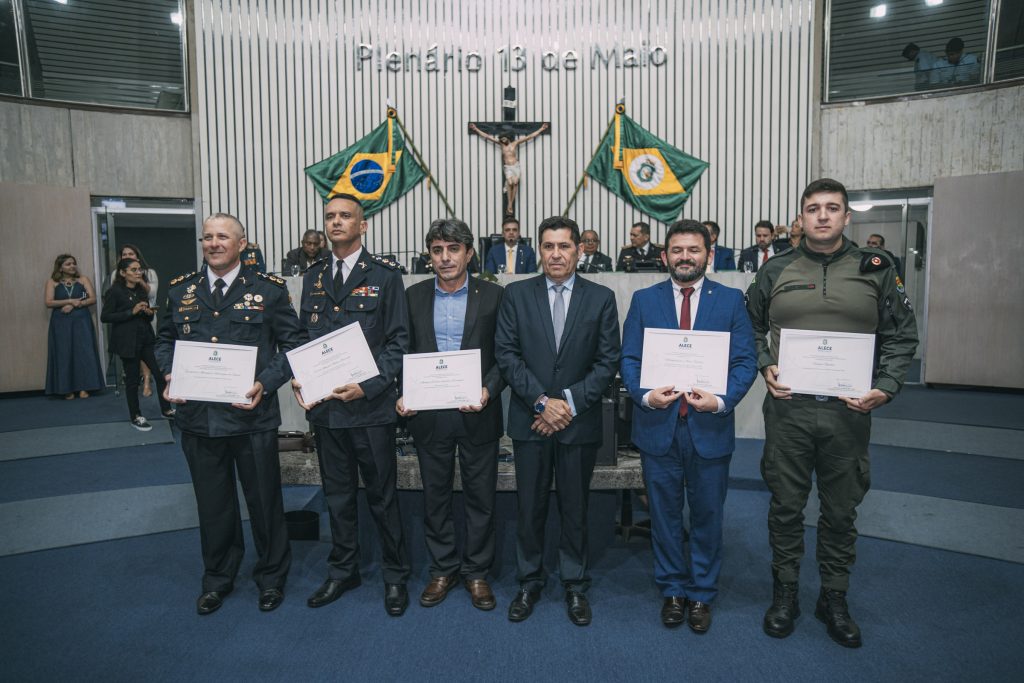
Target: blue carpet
x,y
957,406
46,441
126,612
970,478
105,470
48,411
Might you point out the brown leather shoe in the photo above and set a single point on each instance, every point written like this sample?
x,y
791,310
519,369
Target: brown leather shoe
x,y
481,594
699,617
437,590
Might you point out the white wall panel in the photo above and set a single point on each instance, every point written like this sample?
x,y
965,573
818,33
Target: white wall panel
x,y
281,87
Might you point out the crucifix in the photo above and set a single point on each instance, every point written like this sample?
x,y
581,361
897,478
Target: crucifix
x,y
503,133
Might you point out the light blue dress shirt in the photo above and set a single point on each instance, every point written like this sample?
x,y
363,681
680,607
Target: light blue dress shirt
x,y
450,316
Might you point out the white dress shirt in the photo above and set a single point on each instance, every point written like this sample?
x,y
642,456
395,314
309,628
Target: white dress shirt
x,y
228,278
346,264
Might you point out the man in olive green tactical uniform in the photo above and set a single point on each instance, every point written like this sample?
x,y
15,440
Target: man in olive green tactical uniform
x,y
825,283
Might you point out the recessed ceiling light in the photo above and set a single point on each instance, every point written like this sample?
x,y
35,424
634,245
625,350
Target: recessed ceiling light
x,y
932,3
878,11
861,206
176,18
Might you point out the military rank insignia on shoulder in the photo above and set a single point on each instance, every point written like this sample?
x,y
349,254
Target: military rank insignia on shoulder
x,y
272,278
393,265
870,261
182,278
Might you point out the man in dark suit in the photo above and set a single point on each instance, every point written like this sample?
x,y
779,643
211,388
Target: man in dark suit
x,y
512,256
763,249
307,254
686,435
228,303
558,348
592,260
355,426
720,258
456,312
641,254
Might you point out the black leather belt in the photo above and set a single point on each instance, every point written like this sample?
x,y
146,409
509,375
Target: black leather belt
x,y
813,397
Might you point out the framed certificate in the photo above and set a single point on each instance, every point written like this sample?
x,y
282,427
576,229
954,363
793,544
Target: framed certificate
x,y
826,363
218,373
435,381
331,361
685,359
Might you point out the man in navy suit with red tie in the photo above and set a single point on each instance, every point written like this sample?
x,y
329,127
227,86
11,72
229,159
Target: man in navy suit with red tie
x,y
686,435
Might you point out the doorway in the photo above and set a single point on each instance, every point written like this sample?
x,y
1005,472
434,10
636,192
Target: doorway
x,y
905,225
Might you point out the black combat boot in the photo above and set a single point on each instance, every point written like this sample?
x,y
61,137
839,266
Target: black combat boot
x,y
780,618
833,611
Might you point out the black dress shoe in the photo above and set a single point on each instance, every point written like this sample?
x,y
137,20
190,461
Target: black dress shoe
x,y
780,618
396,599
673,611
331,589
578,608
271,599
699,616
522,605
210,601
832,610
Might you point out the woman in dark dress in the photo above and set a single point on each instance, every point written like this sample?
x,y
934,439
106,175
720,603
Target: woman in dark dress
x,y
126,307
73,365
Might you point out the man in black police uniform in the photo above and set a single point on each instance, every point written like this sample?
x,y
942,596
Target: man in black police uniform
x,y
355,426
228,303
641,254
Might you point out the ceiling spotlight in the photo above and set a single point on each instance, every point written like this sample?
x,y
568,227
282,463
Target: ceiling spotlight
x,y
861,206
932,3
176,18
878,11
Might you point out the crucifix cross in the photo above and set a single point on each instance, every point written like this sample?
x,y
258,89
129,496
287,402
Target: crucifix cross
x,y
504,134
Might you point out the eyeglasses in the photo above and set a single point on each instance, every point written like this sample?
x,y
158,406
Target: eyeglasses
x,y
590,241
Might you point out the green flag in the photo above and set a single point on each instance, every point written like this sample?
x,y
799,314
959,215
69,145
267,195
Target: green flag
x,y
643,169
375,170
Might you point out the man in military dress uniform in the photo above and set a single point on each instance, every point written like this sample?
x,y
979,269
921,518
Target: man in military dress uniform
x,y
355,426
642,254
228,303
824,283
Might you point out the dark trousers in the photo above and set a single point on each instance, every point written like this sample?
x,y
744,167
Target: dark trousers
x,y
571,466
344,455
830,440
672,479
478,465
212,462
132,372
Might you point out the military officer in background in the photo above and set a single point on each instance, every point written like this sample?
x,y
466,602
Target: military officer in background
x,y
355,426
822,434
227,302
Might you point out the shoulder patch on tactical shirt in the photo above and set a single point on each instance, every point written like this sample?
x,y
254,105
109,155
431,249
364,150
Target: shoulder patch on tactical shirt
x,y
272,278
393,265
182,278
873,259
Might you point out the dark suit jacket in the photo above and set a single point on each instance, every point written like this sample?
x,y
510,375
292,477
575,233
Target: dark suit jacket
x,y
724,258
653,256
586,361
127,331
526,259
374,297
752,255
255,311
721,309
477,333
297,257
599,263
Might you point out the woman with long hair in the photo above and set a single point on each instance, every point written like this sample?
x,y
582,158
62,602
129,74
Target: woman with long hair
x,y
150,284
126,307
73,364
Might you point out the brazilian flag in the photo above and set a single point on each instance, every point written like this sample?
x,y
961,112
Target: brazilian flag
x,y
643,169
375,170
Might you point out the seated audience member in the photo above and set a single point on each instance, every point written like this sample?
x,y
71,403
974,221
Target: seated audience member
x,y
764,248
592,260
721,257
641,254
511,257
306,255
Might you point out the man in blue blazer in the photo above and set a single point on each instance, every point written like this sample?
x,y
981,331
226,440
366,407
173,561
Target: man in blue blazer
x,y
557,345
523,259
720,257
686,435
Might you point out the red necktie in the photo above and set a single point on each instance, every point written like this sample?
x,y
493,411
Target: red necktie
x,y
684,324
764,256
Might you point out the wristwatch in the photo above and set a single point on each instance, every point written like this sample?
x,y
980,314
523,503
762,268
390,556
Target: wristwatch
x,y
538,407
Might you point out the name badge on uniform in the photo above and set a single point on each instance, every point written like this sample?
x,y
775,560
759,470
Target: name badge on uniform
x,y
184,309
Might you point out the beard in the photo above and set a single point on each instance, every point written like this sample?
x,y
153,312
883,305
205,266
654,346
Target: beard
x,y
688,270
